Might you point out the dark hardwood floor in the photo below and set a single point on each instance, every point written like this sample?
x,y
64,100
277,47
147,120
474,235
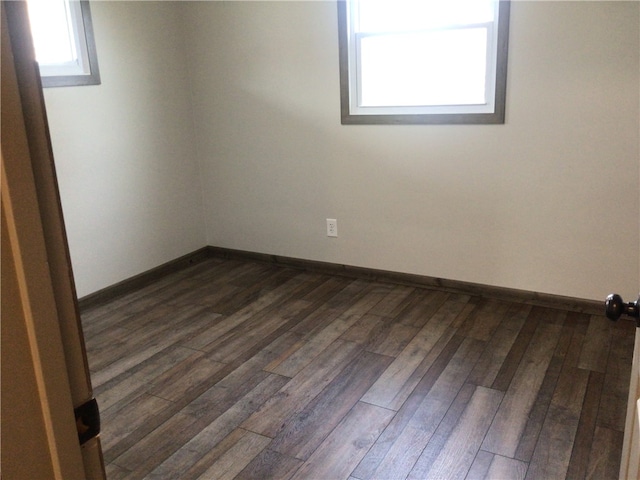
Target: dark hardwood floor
x,y
238,369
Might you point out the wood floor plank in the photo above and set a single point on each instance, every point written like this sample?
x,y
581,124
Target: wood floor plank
x,y
167,431
427,303
595,350
145,330
486,319
207,275
236,458
192,372
518,349
211,288
203,436
451,380
118,424
240,380
412,301
301,389
382,335
425,372
410,443
444,430
195,470
115,472
338,455
553,451
364,328
236,318
459,452
538,414
323,288
616,382
256,273
391,339
487,368
206,295
405,451
396,299
142,453
221,396
604,462
302,434
480,467
467,312
152,346
286,354
586,427
136,380
564,361
246,336
208,338
312,348
318,319
270,464
387,440
116,337
507,468
104,316
579,323
350,294
571,389
385,392
272,279
504,435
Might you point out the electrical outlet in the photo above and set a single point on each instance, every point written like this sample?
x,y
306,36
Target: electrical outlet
x,y
332,227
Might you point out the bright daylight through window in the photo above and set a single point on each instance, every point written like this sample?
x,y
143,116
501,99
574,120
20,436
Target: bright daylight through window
x,y
63,40
423,61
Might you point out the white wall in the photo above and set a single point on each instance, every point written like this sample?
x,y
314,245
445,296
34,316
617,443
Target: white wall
x,y
547,202
125,151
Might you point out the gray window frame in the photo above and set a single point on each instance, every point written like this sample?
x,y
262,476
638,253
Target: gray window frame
x,y
93,78
496,117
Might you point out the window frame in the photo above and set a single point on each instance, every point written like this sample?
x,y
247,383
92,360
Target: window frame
x,y
83,24
495,117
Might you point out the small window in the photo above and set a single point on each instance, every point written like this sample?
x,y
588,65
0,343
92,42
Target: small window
x,y
64,44
423,61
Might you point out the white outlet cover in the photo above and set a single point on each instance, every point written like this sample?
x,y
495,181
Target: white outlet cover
x,y
332,227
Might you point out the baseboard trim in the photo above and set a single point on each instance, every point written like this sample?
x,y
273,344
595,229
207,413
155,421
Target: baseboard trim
x,y
591,307
104,295
143,279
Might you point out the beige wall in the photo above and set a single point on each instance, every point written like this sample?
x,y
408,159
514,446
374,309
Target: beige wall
x,y
124,150
547,202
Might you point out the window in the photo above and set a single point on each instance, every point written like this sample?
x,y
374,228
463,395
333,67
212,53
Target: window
x,y
423,61
63,40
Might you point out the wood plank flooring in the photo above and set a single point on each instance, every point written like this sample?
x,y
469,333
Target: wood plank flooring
x,y
239,369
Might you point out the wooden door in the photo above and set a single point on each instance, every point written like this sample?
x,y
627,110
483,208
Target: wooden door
x,y
44,368
630,464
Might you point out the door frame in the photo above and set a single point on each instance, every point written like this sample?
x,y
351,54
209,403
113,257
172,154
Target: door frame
x,y
630,460
44,366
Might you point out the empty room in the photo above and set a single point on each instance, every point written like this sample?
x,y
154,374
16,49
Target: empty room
x,y
321,239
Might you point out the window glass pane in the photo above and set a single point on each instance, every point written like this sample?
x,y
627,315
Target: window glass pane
x,y
407,15
52,32
446,67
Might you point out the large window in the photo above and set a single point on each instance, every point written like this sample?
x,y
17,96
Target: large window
x,y
63,39
423,61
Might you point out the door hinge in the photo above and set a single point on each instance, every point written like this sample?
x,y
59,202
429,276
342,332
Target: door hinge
x,y
87,420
